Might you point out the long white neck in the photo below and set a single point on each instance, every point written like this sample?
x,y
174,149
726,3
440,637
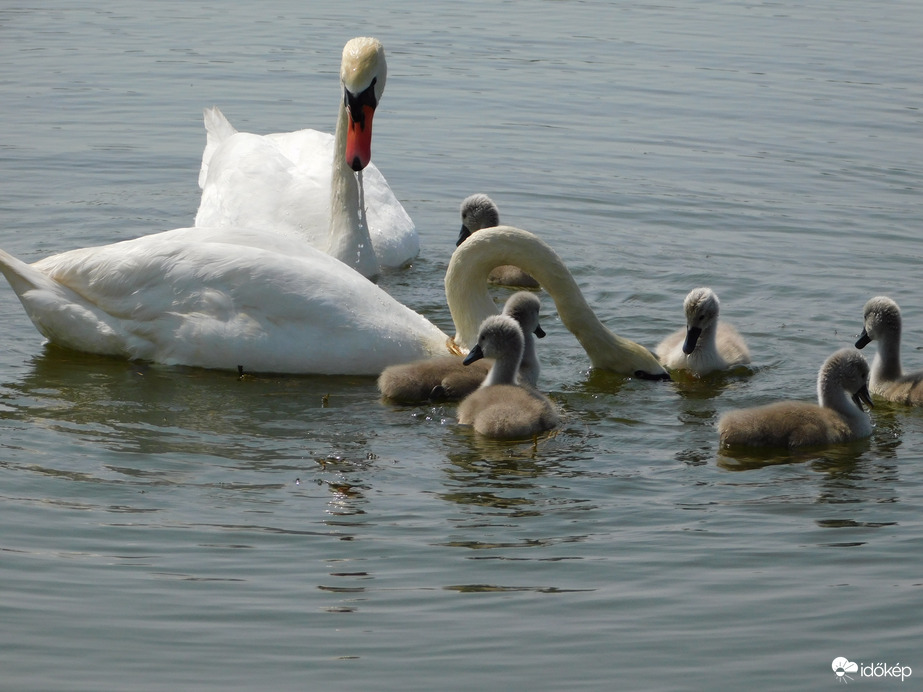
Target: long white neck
x,y
349,239
470,302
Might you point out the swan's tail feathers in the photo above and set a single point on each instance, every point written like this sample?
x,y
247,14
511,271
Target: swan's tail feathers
x,y
217,129
58,313
22,277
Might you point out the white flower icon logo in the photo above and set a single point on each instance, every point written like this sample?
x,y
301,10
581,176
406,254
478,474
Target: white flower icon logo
x,y
841,666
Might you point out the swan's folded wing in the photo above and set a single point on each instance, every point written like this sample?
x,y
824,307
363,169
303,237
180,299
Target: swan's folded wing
x,y
219,305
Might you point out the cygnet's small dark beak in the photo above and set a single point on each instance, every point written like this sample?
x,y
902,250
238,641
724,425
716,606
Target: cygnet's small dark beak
x,y
862,397
692,338
474,354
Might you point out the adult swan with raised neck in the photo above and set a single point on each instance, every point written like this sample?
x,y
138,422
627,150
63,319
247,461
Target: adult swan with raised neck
x,y
223,298
319,188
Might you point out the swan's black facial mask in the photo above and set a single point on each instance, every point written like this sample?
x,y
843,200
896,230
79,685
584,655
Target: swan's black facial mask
x,y
356,104
360,108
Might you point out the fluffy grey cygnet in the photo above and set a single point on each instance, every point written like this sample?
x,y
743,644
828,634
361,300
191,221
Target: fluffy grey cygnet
x,y
882,323
446,378
479,211
706,344
500,408
842,388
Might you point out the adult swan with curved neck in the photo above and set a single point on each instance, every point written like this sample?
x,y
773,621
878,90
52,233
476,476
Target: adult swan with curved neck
x,y
470,302
228,298
304,183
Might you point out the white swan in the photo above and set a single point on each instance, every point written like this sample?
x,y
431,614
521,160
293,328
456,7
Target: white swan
x,y
479,211
223,298
706,344
220,298
447,378
500,408
842,387
882,323
297,182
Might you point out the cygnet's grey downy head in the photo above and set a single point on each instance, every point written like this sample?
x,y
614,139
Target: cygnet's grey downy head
x,y
881,320
846,370
500,338
477,211
701,307
524,307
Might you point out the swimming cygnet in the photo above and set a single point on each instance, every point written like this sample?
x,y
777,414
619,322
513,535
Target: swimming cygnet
x,y
479,211
882,323
500,408
706,344
447,378
842,387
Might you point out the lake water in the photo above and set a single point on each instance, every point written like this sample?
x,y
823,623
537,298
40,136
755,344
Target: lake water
x,y
172,528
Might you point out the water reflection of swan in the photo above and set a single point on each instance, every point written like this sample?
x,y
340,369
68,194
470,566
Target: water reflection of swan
x,y
141,408
301,183
840,458
223,298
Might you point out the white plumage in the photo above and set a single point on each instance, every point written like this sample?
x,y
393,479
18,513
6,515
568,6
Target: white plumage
x,y
283,182
220,298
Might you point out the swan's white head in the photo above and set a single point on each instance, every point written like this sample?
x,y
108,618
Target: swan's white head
x,y
701,308
881,319
363,72
477,211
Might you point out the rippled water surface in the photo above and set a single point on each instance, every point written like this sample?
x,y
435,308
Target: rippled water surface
x,y
172,528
